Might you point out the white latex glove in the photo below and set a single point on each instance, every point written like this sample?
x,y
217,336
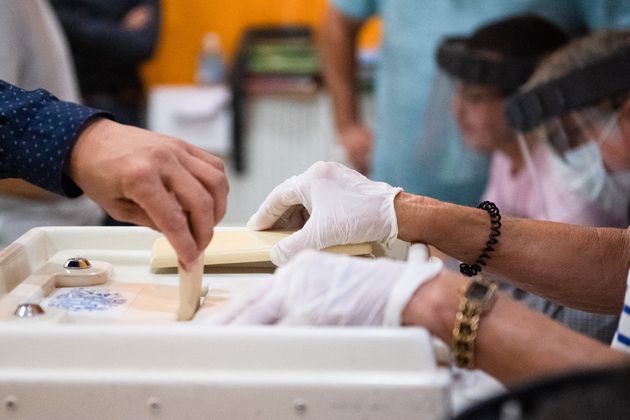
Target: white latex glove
x,y
318,288
342,207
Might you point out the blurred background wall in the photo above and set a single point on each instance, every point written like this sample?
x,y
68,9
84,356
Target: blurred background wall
x,y
185,22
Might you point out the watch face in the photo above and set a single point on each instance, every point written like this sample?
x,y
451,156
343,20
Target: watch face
x,y
476,291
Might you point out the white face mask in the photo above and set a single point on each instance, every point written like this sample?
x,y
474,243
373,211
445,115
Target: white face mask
x,y
583,171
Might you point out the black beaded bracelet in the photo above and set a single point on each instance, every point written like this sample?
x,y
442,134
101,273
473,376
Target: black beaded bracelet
x,y
495,231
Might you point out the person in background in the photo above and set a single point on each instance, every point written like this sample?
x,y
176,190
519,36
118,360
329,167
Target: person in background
x,y
31,44
395,152
136,175
109,41
486,68
588,150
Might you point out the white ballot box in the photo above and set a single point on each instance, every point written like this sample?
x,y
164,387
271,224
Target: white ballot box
x,y
198,114
114,349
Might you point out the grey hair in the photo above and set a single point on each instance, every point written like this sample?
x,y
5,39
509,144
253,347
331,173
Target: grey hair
x,y
579,53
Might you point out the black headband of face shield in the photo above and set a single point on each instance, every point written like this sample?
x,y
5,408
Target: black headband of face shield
x,y
457,59
577,89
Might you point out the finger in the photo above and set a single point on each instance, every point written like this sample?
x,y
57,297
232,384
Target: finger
x,y
226,314
267,309
165,212
207,157
286,249
292,219
195,201
213,180
127,211
282,197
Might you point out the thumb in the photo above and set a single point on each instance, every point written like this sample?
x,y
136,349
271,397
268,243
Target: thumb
x,y
286,249
279,200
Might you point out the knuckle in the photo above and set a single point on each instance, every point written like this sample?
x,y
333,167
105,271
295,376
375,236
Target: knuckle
x,y
141,171
161,155
319,166
176,222
206,202
322,169
218,185
220,164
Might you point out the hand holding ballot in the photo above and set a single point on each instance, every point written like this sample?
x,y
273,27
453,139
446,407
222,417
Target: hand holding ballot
x,y
341,207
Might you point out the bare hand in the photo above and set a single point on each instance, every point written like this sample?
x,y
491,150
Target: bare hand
x,y
153,180
138,17
357,141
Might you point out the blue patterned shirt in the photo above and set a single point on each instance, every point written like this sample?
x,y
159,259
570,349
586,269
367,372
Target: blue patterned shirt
x,y
37,132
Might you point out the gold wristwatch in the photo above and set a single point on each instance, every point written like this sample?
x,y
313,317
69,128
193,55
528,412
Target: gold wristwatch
x,y
477,296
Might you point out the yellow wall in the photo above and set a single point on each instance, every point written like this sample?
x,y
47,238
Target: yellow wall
x,y
185,21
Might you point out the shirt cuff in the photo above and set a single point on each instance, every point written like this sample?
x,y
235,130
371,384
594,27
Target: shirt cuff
x,y
62,123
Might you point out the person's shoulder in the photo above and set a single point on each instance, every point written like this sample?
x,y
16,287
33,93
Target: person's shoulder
x,y
357,9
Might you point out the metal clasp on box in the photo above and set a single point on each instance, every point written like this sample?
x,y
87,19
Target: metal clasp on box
x,y
80,272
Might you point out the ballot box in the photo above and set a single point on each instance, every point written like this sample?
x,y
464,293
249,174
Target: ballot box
x,y
115,349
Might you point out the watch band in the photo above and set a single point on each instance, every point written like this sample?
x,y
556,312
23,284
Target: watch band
x,y
478,295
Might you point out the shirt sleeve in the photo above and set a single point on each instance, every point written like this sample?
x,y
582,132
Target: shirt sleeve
x,y
605,14
37,132
97,36
358,9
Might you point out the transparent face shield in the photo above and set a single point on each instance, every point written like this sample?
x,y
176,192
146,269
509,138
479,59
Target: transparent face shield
x,y
586,156
576,123
451,158
464,119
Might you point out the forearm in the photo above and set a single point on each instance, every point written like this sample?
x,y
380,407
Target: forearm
x,y
21,189
338,46
514,343
581,267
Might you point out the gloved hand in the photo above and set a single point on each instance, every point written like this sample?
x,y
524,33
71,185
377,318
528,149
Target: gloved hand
x,y
342,207
318,288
